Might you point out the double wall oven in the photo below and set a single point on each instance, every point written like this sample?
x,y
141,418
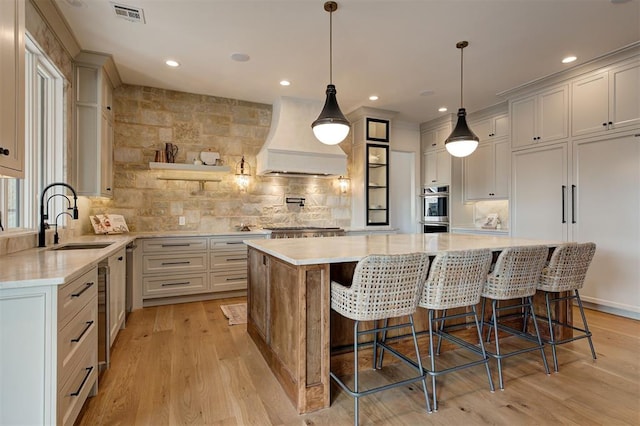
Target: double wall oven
x,y
435,209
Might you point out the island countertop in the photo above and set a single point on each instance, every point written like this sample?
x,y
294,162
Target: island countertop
x,y
312,251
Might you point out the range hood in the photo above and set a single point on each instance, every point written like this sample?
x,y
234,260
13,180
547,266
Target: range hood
x,y
291,149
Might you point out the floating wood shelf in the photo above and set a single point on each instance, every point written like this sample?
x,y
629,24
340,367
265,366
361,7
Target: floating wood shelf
x,y
188,167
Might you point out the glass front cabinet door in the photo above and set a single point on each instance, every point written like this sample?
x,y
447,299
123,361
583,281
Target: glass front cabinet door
x,y
377,184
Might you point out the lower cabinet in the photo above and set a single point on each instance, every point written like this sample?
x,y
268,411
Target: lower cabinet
x,y
174,267
48,348
117,293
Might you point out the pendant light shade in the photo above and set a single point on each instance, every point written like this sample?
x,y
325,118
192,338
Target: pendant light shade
x,y
462,141
332,126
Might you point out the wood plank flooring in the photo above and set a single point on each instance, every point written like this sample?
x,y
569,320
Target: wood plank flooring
x,y
183,365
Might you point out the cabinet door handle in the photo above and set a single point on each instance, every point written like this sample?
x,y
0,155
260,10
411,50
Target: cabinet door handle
x,y
564,190
237,279
87,287
120,258
86,377
434,180
4,151
180,283
175,245
573,204
231,259
77,339
185,262
235,242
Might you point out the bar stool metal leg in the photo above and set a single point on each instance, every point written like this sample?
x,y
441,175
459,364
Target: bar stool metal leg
x,y
535,325
586,326
552,339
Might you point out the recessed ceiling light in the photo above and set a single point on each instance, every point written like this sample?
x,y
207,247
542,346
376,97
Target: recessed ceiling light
x,y
373,98
442,109
427,93
172,63
285,83
569,59
240,57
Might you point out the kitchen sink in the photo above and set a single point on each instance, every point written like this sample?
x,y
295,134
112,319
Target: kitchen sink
x,y
82,246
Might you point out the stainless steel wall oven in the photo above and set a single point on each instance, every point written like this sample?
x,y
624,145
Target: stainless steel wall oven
x,y
435,209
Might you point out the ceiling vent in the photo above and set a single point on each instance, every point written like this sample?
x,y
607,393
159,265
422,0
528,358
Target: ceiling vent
x,y
130,13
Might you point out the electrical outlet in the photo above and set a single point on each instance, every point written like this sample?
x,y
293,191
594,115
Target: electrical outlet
x,y
182,221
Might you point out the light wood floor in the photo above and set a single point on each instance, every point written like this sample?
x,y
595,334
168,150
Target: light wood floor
x,y
182,364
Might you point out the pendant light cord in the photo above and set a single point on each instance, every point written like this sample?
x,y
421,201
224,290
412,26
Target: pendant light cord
x,y
331,47
461,75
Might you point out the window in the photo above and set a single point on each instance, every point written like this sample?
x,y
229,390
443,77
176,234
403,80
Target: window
x,y
44,143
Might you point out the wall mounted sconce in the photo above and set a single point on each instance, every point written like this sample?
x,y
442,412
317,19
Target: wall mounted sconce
x,y
243,174
343,183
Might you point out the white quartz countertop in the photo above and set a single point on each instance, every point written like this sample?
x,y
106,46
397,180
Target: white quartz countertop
x,y
45,266
310,251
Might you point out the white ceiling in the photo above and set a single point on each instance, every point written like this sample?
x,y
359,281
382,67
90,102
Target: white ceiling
x,y
395,49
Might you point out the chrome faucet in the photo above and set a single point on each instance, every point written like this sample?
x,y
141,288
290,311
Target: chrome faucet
x,y
44,211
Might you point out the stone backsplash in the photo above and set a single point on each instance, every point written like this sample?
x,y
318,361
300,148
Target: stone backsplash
x,y
147,118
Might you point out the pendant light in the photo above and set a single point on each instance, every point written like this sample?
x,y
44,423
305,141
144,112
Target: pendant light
x,y
462,141
331,127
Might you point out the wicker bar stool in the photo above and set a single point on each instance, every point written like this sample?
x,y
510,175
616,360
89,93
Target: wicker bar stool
x,y
515,276
383,286
455,280
566,271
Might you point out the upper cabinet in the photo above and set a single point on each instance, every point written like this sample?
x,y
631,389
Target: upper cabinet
x,y
606,100
437,168
540,118
486,171
491,128
93,124
433,139
12,92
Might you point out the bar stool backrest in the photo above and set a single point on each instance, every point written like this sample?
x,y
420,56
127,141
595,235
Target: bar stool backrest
x,y
456,279
516,273
385,286
567,267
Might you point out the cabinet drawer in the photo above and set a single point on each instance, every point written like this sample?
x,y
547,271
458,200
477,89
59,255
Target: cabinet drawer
x,y
74,296
73,393
229,280
227,243
172,245
229,260
181,263
78,336
174,286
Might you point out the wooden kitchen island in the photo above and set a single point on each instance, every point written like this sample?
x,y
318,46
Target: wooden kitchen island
x,y
289,299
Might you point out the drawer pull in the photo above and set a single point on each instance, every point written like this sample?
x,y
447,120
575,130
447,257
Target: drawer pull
x,y
230,259
77,339
237,279
186,262
176,245
180,283
87,287
234,242
86,377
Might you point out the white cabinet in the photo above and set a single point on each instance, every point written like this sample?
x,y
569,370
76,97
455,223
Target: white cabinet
x,y
606,100
587,191
93,126
486,171
539,193
228,260
433,139
605,205
117,293
491,128
437,168
12,88
540,118
48,348
188,268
